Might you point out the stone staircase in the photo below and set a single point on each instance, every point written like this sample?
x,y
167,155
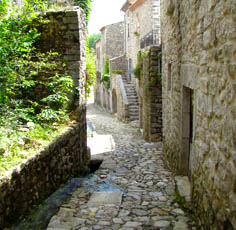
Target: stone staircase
x,y
132,100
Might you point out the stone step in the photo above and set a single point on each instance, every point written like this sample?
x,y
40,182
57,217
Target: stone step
x,y
133,111
133,101
133,96
133,119
134,107
130,88
131,92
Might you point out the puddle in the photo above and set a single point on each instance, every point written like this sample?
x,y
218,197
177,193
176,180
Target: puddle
x,y
95,184
39,217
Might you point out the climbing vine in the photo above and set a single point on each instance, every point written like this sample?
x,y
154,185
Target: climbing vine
x,y
137,70
106,75
156,76
85,5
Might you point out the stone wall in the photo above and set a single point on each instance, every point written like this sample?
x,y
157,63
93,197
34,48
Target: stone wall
x,y
67,156
119,63
36,178
150,95
199,103
119,98
99,57
97,91
66,34
114,40
111,43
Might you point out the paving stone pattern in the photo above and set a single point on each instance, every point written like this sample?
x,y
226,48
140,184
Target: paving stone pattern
x,y
137,169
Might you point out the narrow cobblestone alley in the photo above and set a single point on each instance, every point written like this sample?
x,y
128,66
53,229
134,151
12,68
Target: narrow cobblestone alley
x,y
143,191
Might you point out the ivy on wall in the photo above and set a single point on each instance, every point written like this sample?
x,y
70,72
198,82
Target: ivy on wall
x,y
155,77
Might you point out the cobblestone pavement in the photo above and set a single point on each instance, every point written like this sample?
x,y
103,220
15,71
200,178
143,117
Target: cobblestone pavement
x,y
134,167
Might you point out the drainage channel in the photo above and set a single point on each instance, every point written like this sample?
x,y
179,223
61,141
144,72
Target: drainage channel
x,y
40,216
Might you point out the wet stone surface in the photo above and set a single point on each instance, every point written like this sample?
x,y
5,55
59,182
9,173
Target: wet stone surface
x,y
133,170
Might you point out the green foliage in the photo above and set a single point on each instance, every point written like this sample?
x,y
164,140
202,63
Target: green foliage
x,y
85,5
106,75
106,67
117,71
137,70
92,40
90,70
16,145
31,87
62,4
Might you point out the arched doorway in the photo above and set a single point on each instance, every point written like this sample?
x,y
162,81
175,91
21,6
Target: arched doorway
x,y
114,101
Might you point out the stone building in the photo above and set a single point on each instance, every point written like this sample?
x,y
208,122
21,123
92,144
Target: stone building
x,y
142,28
110,45
199,103
150,94
142,35
119,97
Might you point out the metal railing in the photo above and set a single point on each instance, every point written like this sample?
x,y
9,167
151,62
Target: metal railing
x,y
152,38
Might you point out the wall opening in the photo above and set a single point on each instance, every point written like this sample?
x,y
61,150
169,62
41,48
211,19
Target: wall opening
x,y
187,132
114,101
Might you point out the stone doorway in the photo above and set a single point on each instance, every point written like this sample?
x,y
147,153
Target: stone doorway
x,y
187,131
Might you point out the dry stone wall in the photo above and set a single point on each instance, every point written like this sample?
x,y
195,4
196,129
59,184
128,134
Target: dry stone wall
x,y
150,94
67,156
199,86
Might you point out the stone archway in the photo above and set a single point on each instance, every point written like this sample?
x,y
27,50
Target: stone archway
x,y
114,101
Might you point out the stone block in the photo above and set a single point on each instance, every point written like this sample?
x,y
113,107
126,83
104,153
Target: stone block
x,y
105,198
71,13
70,20
71,58
232,70
184,187
189,75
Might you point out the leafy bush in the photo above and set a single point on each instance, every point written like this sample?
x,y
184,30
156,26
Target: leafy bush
x,y
92,40
29,92
90,70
